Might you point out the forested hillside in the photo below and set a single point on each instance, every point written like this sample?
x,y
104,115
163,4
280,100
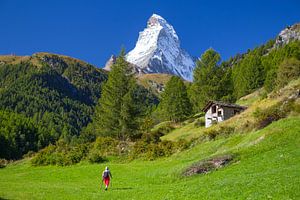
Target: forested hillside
x,y
264,66
59,96
56,92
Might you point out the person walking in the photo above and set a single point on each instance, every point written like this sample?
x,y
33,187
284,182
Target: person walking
x,y
106,176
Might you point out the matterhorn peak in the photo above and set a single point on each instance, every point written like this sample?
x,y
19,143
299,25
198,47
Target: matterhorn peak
x,y
158,50
156,20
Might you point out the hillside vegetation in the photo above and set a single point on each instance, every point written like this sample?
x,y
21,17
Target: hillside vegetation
x,y
58,111
264,165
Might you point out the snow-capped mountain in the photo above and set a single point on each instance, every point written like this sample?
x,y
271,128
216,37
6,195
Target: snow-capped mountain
x,y
158,51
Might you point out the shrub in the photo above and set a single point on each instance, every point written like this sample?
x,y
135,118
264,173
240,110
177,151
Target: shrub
x,y
288,70
167,147
95,157
105,146
3,163
211,134
154,151
164,128
221,131
151,150
270,79
44,157
152,137
29,154
139,149
274,113
182,144
61,154
200,122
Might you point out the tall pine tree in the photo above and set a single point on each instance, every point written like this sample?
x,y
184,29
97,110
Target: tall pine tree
x,y
206,80
115,114
175,103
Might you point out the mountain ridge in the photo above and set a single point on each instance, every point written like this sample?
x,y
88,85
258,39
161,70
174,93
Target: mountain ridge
x,y
158,51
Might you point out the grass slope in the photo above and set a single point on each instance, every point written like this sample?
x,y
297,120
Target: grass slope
x,y
266,167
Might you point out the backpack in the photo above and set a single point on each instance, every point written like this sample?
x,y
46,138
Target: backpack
x,y
105,174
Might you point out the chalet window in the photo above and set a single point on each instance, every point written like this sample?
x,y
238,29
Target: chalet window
x,y
214,109
219,113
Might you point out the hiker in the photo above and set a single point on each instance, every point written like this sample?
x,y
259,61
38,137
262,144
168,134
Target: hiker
x,y
106,175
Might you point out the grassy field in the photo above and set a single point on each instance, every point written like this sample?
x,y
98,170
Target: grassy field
x,y
266,166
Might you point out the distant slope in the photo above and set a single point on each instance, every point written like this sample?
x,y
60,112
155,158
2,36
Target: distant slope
x,y
244,122
154,82
57,91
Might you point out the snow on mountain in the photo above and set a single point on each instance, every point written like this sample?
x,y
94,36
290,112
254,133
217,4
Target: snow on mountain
x,y
158,51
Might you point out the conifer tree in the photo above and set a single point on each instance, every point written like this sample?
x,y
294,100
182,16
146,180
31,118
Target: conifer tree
x,y
206,80
115,112
175,103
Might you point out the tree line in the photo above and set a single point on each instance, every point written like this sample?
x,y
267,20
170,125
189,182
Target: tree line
x,y
76,104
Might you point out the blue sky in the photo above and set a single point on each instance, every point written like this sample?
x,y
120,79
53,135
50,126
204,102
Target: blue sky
x,y
92,30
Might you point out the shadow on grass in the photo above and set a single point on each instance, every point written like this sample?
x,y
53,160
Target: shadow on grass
x,y
120,188
1,198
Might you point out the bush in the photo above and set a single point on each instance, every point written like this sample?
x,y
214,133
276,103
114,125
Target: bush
x,y
95,157
223,131
151,151
3,163
61,154
200,122
29,154
274,113
152,137
164,128
267,116
288,70
270,79
105,146
211,134
182,144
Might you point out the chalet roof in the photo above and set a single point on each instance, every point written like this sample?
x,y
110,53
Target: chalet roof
x,y
223,104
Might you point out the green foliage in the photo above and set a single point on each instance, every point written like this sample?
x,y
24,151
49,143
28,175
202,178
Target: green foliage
x,y
3,163
61,154
58,96
200,122
164,127
175,103
275,158
18,135
212,80
270,80
150,147
288,70
248,74
222,131
121,105
103,147
274,113
95,157
275,58
205,83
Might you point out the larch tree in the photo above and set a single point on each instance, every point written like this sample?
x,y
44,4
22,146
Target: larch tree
x,y
175,103
115,112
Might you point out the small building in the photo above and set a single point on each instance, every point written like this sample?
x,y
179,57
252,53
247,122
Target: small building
x,y
216,111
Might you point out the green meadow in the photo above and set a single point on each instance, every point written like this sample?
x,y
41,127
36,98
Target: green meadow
x,y
266,165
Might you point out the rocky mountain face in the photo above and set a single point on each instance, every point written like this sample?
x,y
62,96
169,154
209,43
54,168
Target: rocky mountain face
x,y
291,33
110,62
158,51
